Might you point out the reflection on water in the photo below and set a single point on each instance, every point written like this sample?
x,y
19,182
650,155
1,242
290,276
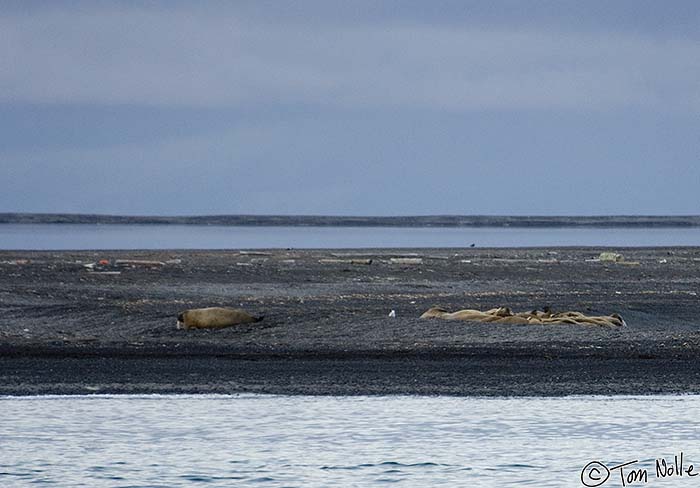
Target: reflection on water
x,y
88,236
277,441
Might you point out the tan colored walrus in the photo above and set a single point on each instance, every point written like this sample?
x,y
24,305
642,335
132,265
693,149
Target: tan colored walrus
x,y
504,315
441,313
214,318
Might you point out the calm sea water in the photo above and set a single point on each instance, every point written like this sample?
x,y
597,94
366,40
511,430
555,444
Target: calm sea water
x,y
61,236
280,441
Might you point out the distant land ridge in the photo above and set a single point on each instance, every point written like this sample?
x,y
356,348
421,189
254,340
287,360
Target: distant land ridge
x,y
360,221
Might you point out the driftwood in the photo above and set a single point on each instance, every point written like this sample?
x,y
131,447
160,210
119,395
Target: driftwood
x,y
406,260
345,261
138,262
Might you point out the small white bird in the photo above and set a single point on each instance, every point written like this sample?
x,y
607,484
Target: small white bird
x,y
392,313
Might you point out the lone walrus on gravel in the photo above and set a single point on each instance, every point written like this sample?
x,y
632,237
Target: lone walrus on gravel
x,y
214,318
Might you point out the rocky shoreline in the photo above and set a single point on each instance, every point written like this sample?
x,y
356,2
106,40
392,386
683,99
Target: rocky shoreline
x,y
70,325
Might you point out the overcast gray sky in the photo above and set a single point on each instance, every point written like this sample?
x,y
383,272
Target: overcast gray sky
x,y
350,108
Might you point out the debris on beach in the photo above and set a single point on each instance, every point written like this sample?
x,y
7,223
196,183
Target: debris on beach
x,y
503,315
138,262
611,257
406,260
16,262
107,267
99,266
346,261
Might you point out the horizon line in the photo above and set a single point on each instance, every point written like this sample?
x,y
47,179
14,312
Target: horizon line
x,y
343,216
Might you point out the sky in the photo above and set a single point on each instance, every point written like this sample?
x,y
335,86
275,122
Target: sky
x,y
350,108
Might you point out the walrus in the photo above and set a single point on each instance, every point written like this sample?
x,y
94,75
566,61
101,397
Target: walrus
x,y
501,315
214,318
441,313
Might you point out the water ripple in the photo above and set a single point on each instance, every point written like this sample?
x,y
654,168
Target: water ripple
x,y
313,442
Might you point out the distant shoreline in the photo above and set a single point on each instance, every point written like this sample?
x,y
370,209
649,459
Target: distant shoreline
x,y
359,221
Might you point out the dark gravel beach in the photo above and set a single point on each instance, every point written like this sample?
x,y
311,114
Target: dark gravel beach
x,y
66,329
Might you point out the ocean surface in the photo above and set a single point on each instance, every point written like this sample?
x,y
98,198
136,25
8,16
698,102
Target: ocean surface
x,y
299,441
88,236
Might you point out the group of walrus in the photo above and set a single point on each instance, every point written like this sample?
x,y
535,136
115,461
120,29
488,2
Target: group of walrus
x,y
503,315
220,317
